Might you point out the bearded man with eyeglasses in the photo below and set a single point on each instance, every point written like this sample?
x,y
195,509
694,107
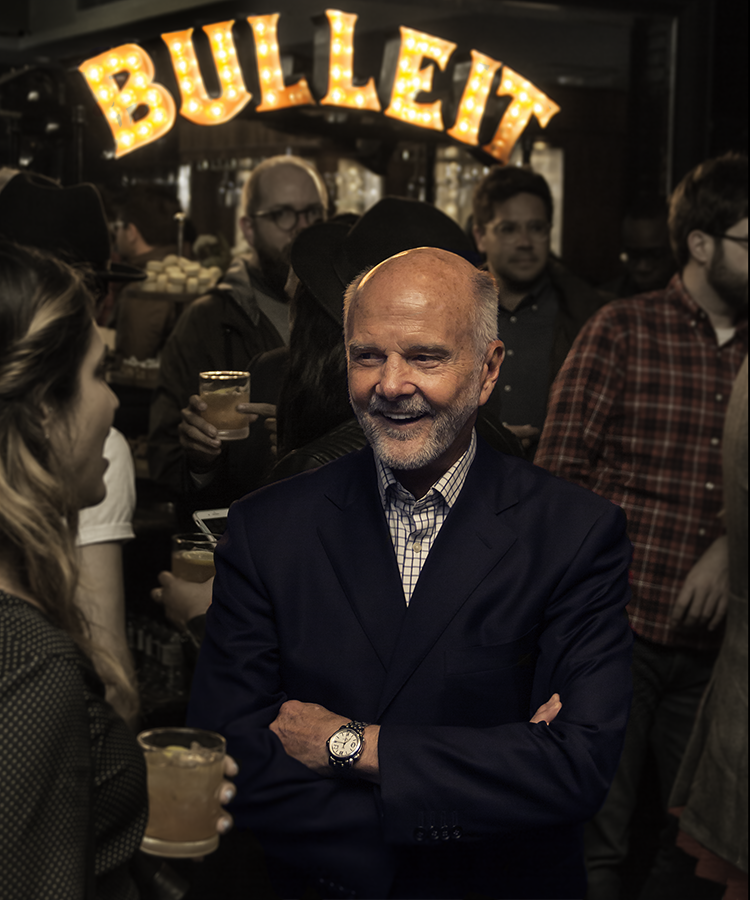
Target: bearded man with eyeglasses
x,y
245,315
637,415
541,306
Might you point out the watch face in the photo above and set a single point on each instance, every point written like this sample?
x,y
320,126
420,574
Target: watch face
x,y
344,743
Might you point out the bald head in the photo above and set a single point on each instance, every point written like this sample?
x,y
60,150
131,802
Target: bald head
x,y
447,283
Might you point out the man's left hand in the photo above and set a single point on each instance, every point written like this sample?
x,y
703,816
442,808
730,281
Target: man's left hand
x,y
303,729
704,596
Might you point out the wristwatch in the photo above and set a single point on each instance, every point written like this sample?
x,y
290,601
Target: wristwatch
x,y
345,745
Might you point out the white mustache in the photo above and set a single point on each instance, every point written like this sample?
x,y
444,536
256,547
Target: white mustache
x,y
410,406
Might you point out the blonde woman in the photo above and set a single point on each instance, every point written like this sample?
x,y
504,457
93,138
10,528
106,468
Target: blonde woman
x,y
72,779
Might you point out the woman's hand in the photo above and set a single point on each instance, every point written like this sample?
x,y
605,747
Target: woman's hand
x,y
227,793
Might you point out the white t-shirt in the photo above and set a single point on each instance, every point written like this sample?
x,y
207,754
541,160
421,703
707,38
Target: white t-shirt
x,y
112,519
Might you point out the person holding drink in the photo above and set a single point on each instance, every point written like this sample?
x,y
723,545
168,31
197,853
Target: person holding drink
x,y
73,777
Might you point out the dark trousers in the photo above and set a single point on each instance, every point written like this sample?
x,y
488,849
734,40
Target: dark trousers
x,y
668,684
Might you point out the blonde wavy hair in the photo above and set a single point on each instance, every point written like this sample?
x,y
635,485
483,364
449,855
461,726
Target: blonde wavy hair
x,y
45,331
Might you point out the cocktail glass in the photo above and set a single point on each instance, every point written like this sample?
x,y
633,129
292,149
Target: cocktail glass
x,y
193,557
185,768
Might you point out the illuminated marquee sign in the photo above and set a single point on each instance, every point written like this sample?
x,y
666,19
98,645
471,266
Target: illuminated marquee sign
x,y
119,98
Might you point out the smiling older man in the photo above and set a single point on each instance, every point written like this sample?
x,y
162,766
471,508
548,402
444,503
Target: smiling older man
x,y
389,675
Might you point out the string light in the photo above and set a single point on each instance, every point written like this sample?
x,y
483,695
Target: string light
x,y
526,101
341,90
474,99
197,106
119,104
410,79
274,94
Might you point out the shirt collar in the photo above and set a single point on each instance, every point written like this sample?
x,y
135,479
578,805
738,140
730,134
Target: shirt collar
x,y
536,293
448,486
677,293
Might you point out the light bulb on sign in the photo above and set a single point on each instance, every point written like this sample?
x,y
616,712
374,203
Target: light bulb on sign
x,y
526,101
139,90
197,106
474,99
274,94
341,91
415,46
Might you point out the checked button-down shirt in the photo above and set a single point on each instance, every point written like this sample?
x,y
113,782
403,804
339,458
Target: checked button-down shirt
x,y
414,524
636,414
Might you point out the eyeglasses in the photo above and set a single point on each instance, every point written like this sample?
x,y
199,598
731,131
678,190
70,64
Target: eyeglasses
x,y
287,217
732,237
537,230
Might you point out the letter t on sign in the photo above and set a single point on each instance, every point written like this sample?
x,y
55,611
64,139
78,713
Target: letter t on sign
x,y
527,101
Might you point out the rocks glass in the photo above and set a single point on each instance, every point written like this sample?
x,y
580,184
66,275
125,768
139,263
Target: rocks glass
x,y
185,768
222,391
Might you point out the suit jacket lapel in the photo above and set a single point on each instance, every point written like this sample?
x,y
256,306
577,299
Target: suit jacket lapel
x,y
471,543
358,544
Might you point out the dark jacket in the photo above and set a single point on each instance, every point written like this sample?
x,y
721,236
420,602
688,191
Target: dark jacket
x,y
522,594
225,329
578,302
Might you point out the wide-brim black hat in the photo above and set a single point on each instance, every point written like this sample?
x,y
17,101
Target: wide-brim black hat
x,y
328,256
67,221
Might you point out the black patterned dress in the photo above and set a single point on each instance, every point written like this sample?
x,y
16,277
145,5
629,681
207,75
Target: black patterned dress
x,y
72,778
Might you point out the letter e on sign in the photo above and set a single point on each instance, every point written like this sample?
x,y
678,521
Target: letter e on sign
x,y
409,80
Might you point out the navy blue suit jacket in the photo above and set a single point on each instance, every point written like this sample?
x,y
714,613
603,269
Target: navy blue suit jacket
x,y
521,596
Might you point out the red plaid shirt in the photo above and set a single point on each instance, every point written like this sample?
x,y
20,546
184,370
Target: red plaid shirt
x,y
636,414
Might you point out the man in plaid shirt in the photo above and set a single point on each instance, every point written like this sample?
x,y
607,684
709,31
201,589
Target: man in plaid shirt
x,y
636,415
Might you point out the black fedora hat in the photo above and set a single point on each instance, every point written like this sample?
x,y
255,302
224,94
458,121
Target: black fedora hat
x,y
326,257
66,221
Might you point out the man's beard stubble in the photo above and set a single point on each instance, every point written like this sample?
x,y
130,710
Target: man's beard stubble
x,y
521,285
446,426
730,286
274,266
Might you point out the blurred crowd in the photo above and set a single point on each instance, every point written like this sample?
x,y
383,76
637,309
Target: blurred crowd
x,y
635,390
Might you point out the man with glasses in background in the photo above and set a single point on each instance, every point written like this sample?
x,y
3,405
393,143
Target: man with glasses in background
x,y
246,314
541,306
637,414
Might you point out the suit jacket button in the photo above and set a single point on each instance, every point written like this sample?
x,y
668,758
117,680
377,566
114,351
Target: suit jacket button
x,y
419,833
445,833
434,834
457,832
